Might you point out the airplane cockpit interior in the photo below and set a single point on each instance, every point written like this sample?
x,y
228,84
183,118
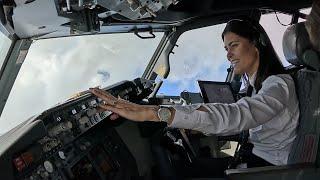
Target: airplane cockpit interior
x,y
150,52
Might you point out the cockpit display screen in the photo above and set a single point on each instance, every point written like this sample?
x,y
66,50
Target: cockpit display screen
x,y
84,169
216,92
102,160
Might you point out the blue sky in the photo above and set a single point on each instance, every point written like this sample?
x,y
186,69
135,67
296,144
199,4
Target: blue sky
x,y
199,56
170,87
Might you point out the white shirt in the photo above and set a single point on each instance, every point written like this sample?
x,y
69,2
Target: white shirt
x,y
271,117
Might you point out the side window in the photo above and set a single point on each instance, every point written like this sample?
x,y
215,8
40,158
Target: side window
x,y
199,56
305,11
275,31
275,26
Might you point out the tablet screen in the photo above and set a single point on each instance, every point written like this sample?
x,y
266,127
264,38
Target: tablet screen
x,y
216,92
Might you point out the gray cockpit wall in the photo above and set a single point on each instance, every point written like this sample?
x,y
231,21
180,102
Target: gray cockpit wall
x,y
26,20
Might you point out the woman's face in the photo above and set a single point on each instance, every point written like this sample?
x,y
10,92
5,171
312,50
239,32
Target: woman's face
x,y
242,54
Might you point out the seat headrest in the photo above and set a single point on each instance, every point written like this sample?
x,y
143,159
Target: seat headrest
x,y
297,47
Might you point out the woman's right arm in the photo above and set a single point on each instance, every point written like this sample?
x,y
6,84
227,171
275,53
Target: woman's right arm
x,y
247,113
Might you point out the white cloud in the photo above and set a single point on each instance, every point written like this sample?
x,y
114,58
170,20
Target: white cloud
x,y
56,69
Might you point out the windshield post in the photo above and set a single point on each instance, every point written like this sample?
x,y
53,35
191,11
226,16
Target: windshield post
x,y
9,71
159,63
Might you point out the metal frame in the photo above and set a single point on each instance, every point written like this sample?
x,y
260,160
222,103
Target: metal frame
x,y
11,67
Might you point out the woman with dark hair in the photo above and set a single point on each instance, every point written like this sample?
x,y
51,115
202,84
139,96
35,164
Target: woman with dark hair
x,y
269,63
270,114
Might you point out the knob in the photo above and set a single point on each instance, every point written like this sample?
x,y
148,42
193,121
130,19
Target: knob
x,y
61,155
48,166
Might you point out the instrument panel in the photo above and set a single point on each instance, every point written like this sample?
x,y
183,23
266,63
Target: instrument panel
x,y
78,142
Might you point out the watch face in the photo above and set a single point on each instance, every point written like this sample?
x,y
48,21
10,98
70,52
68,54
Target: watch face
x,y
164,114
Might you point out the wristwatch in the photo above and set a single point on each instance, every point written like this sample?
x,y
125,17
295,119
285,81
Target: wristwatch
x,y
164,114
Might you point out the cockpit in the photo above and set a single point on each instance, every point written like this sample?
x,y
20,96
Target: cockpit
x,y
167,52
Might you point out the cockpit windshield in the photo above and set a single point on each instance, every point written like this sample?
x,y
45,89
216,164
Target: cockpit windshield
x,y
199,55
56,69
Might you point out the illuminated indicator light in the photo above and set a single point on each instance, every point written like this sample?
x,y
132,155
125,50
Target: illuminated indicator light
x,y
27,157
19,164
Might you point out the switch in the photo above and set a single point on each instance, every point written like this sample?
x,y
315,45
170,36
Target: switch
x,y
73,111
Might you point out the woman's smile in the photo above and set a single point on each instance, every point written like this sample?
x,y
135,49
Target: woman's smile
x,y
242,54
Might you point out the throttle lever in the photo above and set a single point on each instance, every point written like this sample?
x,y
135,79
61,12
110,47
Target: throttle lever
x,y
174,139
178,142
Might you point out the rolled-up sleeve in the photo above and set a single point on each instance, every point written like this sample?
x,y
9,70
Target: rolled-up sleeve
x,y
247,113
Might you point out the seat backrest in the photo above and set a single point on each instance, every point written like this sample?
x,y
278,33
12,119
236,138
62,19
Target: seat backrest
x,y
298,51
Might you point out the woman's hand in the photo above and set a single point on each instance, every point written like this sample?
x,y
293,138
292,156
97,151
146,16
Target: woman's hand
x,y
125,108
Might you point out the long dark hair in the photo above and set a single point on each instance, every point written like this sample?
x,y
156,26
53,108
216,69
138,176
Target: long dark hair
x,y
270,63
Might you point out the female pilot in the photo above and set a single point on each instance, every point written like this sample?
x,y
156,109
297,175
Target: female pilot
x,y
270,114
